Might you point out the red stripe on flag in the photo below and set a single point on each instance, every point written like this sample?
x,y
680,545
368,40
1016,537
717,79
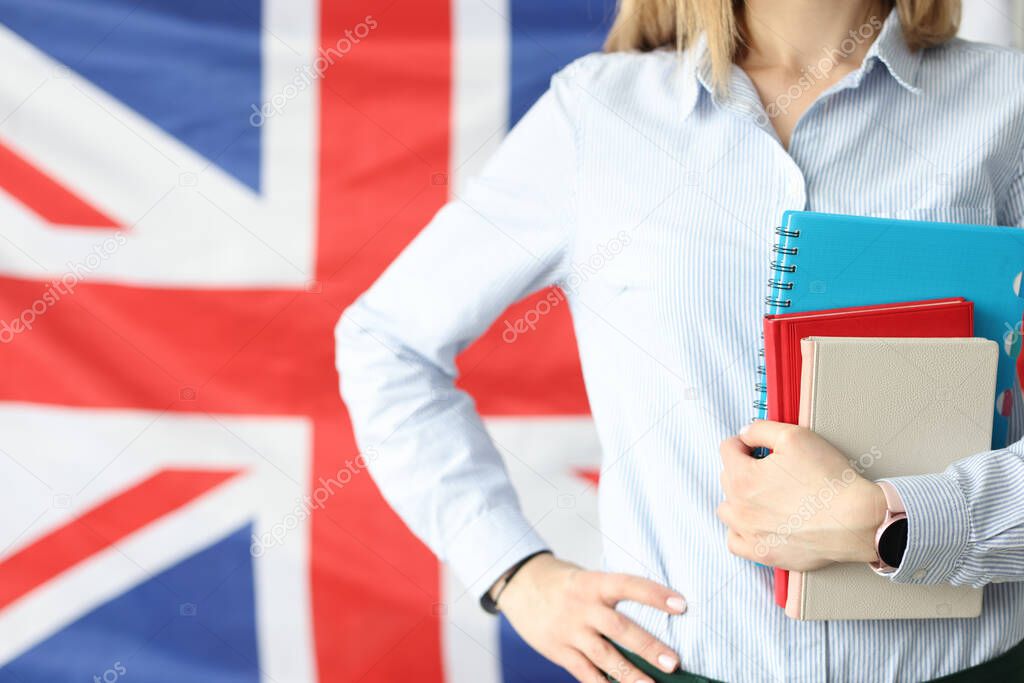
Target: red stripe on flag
x,y
377,602
101,527
538,373
46,197
384,135
588,474
222,351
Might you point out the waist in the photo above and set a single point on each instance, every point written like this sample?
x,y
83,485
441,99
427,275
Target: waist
x,y
733,631
1008,666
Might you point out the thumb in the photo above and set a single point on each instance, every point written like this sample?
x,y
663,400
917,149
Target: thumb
x,y
764,433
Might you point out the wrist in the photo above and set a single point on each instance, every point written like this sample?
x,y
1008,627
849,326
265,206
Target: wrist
x,y
868,515
489,601
891,538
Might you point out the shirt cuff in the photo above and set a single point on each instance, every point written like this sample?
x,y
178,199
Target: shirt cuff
x,y
489,545
938,528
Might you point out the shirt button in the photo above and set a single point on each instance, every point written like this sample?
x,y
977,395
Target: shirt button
x,y
920,574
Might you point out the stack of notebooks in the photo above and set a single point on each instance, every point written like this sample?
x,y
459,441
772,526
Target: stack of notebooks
x,y
896,342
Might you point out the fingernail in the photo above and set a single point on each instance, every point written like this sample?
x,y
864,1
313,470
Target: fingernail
x,y
676,604
668,664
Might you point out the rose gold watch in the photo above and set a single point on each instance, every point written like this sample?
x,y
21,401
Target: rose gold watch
x,y
891,537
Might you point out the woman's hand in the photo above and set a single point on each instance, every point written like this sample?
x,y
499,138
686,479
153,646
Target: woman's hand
x,y
804,506
563,611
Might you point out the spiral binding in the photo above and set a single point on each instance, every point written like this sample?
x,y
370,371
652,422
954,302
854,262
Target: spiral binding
x,y
783,249
780,268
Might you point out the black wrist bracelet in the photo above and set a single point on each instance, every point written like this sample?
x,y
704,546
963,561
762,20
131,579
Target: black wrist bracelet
x,y
489,604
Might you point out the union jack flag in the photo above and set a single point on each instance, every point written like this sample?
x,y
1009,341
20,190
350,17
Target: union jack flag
x,y
190,194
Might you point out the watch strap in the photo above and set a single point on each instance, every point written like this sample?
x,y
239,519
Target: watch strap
x,y
489,600
893,501
891,530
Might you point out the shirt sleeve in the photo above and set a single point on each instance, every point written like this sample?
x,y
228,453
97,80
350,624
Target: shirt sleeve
x,y
507,235
966,525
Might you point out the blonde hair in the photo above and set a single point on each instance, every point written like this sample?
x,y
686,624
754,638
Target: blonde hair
x,y
652,24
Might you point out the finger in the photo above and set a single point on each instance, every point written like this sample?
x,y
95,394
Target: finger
x,y
735,454
581,669
604,655
740,546
629,635
616,587
734,542
727,514
764,433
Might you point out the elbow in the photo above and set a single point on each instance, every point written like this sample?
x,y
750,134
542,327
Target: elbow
x,y
380,367
351,351
346,339
368,357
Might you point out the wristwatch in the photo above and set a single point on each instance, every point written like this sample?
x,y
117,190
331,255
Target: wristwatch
x,y
891,537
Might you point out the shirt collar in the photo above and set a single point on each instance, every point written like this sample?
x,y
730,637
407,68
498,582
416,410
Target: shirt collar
x,y
890,48
688,73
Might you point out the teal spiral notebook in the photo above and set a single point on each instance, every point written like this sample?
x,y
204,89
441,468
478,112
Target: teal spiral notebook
x,y
823,261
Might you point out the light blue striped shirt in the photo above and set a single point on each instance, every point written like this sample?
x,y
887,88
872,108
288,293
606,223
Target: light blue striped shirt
x,y
653,203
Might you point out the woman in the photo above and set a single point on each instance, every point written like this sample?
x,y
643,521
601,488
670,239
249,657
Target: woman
x,y
688,157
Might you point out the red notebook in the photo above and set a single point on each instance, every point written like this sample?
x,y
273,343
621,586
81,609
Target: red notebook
x,y
782,335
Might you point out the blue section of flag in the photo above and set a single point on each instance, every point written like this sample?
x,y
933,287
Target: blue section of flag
x,y
545,36
520,663
193,67
193,622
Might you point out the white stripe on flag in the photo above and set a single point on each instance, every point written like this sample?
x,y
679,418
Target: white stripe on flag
x,y
545,457
480,84
470,636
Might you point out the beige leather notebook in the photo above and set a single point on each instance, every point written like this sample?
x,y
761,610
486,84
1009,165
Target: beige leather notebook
x,y
895,407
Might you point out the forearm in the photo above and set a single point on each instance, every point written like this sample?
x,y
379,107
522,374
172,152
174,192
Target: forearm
x,y
428,452
966,525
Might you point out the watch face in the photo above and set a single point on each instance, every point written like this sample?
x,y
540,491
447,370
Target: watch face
x,y
893,542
